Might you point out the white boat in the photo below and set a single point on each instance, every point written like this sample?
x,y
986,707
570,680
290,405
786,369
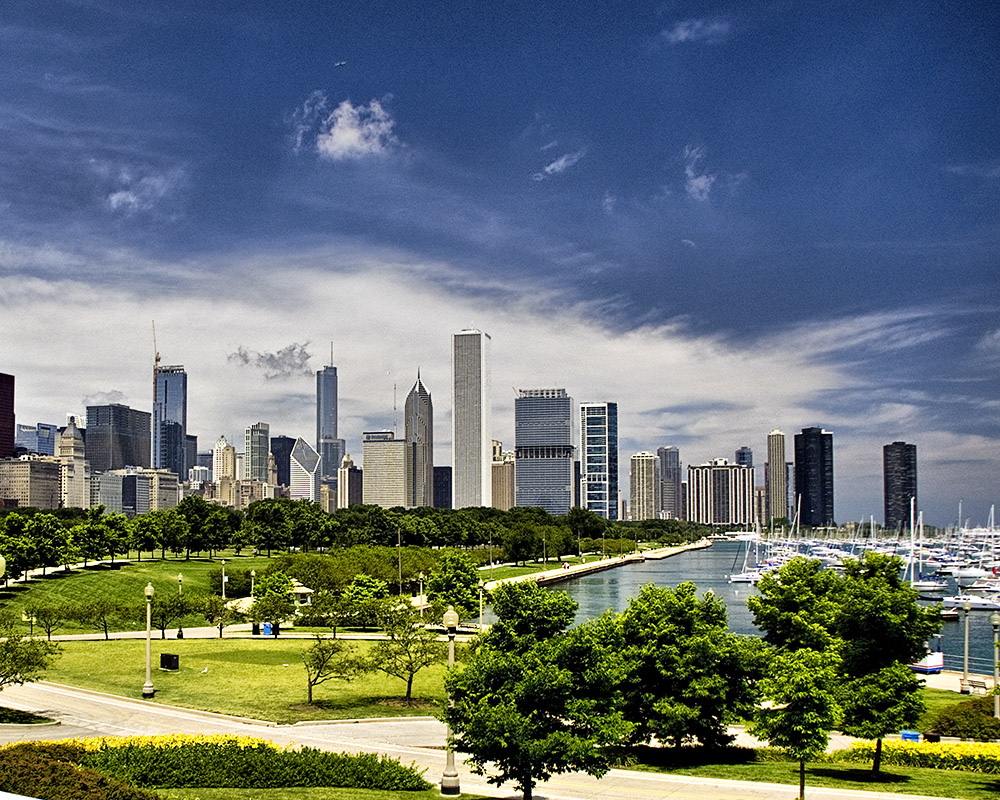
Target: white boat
x,y
974,601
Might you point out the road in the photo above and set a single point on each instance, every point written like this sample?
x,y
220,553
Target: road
x,y
412,740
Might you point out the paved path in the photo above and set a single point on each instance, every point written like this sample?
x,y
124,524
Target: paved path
x,y
412,740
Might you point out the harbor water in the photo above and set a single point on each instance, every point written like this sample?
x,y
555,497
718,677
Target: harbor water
x,y
709,569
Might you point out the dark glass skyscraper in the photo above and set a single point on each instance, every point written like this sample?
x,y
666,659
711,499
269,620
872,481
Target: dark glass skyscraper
x,y
117,437
281,449
543,447
671,477
169,431
814,477
6,415
330,448
418,416
899,480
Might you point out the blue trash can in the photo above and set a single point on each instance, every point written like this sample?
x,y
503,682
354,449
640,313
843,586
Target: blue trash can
x,y
266,629
910,736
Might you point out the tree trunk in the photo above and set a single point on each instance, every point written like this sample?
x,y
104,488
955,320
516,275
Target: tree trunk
x,y
877,761
409,687
310,692
528,784
802,779
220,630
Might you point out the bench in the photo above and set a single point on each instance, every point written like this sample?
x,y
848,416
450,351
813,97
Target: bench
x,y
976,685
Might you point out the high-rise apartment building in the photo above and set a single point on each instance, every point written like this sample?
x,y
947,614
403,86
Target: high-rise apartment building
x,y
720,493
330,448
543,450
418,414
471,422
671,478
644,486
775,477
744,457
169,430
117,437
899,481
599,458
7,420
383,471
258,447
304,472
814,477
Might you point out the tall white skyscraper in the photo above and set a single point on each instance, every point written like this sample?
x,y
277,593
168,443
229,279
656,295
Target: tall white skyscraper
x,y
304,470
383,475
776,476
599,458
471,423
223,460
258,448
720,493
644,500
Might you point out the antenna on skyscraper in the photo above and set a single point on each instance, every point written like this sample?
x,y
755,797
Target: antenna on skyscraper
x,y
331,354
156,352
393,409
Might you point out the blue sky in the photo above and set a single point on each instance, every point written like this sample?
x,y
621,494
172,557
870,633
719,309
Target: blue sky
x,y
726,217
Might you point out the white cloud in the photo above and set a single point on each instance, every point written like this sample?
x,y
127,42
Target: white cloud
x,y
983,169
711,31
131,189
989,345
354,132
698,183
560,165
689,243
609,202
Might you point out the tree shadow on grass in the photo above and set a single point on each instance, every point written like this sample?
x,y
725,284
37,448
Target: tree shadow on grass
x,y
859,775
688,756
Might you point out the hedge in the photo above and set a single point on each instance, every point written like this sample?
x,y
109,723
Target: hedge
x,y
51,772
968,756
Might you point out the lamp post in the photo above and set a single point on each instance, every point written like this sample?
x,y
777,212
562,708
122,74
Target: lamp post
x,y
420,598
253,577
223,579
449,780
481,587
964,687
995,622
147,689
491,553
180,593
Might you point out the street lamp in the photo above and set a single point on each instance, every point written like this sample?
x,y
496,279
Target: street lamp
x,y
420,598
449,780
147,690
180,593
253,577
223,579
995,622
964,688
481,587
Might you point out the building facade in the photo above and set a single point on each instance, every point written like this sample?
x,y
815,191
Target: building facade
x,y
442,487
330,447
543,450
75,472
471,420
418,419
281,449
117,437
644,486
721,493
814,477
776,477
7,420
258,447
744,457
599,458
305,466
899,483
39,438
383,469
671,478
223,460
503,477
350,484
34,481
169,428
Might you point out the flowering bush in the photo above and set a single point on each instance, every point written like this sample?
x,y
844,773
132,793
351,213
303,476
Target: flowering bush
x,y
968,756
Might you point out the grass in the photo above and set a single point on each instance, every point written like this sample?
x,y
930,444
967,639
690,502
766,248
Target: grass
x,y
11,716
124,582
259,678
935,700
302,794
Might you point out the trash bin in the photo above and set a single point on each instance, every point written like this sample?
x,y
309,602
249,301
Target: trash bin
x,y
170,661
267,629
909,736
932,737
255,629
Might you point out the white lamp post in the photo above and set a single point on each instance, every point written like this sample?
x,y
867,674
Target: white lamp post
x,y
481,587
420,599
995,622
964,688
253,577
449,780
180,593
223,579
147,690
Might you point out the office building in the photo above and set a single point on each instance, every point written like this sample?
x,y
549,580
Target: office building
x,y
199,475
117,437
223,461
106,490
350,485
304,472
281,449
330,448
543,450
776,477
471,434
34,481
721,493
599,458
502,468
39,439
644,486
442,487
814,477
7,420
255,457
744,457
169,428
75,472
418,414
671,478
383,469
899,482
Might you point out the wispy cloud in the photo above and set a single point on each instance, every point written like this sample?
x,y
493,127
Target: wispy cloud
x,y
609,202
689,243
710,31
132,189
560,165
982,169
989,346
103,398
349,132
287,362
698,183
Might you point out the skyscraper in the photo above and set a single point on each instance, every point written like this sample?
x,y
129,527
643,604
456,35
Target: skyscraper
x,y
899,480
814,477
543,450
223,460
330,448
6,415
74,473
644,481
775,476
471,432
38,438
744,457
418,414
383,471
671,477
720,493
117,437
304,466
255,457
350,484
599,458
169,430
503,477
281,449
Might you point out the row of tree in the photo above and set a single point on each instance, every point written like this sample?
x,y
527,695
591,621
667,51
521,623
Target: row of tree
x,y
537,696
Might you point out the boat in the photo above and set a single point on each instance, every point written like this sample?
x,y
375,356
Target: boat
x,y
972,601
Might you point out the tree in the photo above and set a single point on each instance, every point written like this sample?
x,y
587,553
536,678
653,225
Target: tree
x,y
535,701
454,582
144,534
218,612
527,610
91,536
801,685
49,540
687,677
330,659
100,613
166,609
798,605
363,600
272,600
409,647
23,659
49,617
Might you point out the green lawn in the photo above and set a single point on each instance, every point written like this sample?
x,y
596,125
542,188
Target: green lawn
x,y
301,794
261,678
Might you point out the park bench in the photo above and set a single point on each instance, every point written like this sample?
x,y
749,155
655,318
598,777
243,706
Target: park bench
x,y
976,685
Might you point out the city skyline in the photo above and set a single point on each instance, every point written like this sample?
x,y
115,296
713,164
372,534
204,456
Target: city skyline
x,y
726,219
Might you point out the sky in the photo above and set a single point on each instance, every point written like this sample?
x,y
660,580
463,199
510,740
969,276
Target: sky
x,y
726,217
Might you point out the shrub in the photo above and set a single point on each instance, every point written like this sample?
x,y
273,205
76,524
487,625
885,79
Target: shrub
x,y
972,719
50,772
968,756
